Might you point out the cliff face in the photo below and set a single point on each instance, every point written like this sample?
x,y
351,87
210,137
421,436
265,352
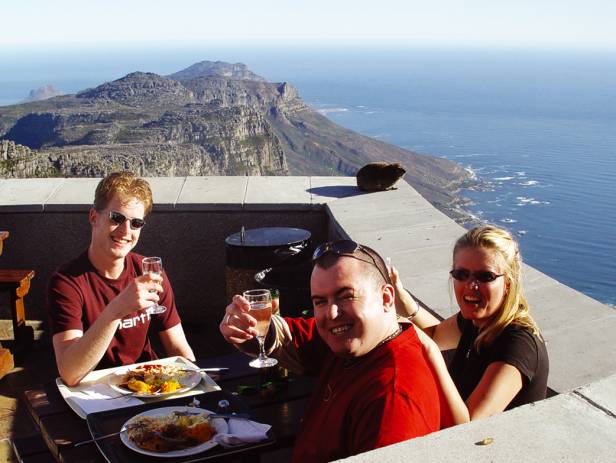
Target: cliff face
x,y
209,119
147,123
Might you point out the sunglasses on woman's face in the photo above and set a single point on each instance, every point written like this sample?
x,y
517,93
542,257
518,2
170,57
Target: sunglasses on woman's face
x,y
483,276
118,219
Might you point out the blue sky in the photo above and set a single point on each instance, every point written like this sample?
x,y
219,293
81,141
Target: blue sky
x,y
517,23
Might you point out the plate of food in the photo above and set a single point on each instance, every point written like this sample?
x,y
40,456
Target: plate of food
x,y
154,380
172,431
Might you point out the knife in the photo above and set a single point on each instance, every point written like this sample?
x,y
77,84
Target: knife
x,y
240,416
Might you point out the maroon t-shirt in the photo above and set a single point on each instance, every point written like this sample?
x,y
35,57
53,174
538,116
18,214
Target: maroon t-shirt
x,y
387,396
77,295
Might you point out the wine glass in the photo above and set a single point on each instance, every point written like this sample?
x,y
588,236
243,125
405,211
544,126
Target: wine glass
x,y
261,309
153,265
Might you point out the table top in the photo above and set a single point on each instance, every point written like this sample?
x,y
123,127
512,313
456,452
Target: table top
x,y
268,397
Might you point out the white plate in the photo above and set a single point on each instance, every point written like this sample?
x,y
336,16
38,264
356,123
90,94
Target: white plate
x,y
76,399
188,382
219,424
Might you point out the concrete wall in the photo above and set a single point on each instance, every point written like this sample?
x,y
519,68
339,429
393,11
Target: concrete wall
x,y
48,224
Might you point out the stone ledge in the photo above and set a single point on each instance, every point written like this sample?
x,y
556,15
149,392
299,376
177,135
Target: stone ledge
x,y
562,428
403,225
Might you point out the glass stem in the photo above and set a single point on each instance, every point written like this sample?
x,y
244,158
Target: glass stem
x,y
261,340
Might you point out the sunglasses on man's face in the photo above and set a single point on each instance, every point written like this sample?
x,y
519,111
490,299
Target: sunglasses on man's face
x,y
483,276
347,248
118,219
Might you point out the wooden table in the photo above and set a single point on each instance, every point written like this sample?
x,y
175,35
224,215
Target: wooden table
x,y
283,409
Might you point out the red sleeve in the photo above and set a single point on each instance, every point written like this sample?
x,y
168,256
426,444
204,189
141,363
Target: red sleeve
x,y
309,345
64,304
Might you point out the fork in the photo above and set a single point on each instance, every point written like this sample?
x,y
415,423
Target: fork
x,y
95,439
211,370
128,395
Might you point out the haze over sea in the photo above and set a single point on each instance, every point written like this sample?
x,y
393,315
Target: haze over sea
x,y
538,127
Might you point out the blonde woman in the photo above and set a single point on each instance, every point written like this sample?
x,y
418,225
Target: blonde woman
x,y
499,357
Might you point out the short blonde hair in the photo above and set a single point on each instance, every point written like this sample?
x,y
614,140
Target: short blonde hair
x,y
127,186
515,307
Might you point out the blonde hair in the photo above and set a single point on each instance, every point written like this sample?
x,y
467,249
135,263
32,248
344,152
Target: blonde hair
x,y
514,309
127,186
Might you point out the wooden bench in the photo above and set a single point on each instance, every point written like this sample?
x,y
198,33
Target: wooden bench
x,y
17,284
3,235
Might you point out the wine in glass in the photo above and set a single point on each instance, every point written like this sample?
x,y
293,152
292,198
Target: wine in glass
x,y
153,265
261,309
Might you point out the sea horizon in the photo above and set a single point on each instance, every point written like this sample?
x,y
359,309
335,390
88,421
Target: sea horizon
x,y
536,126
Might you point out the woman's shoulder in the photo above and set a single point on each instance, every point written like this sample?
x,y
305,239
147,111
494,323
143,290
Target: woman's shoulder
x,y
518,341
516,330
518,334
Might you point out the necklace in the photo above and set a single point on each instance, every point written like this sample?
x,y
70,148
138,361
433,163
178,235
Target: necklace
x,y
390,337
329,392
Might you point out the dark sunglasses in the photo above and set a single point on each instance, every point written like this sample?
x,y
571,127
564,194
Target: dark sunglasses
x,y
484,276
348,248
119,219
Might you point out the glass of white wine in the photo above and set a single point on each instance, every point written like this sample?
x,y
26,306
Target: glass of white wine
x,y
153,265
261,309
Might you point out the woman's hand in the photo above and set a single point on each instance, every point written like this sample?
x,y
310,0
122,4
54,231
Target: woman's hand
x,y
405,304
453,408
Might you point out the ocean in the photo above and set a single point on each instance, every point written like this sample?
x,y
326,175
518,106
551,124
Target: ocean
x,y
537,127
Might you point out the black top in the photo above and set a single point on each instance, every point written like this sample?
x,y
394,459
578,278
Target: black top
x,y
516,346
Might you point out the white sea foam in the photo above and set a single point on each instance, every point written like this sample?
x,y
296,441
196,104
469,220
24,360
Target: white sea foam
x,y
521,174
508,220
529,183
522,232
502,179
471,155
525,201
326,111
471,172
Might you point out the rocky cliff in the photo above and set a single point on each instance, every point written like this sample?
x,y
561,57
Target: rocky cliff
x,y
212,118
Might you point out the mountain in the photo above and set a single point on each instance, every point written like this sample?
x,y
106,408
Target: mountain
x,y
212,118
216,69
43,93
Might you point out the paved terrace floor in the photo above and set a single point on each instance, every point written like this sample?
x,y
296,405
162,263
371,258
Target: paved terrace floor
x,y
577,425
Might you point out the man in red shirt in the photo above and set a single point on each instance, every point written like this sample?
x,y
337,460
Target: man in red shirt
x,y
97,302
374,385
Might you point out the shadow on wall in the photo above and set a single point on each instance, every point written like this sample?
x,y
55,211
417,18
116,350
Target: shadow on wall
x,y
342,191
